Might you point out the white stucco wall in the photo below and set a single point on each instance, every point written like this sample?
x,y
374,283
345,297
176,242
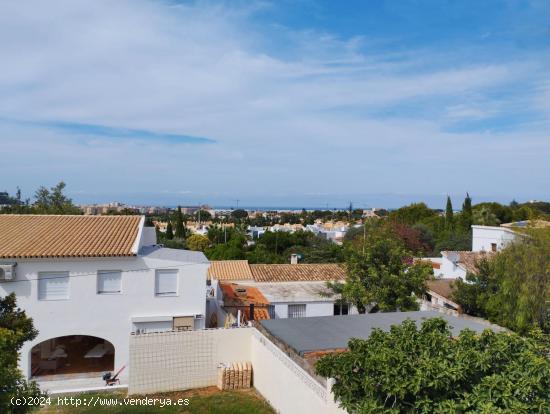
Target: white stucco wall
x,y
450,270
312,309
286,386
172,361
184,360
484,236
104,316
325,308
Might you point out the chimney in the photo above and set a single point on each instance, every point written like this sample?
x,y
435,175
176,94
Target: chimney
x,y
293,258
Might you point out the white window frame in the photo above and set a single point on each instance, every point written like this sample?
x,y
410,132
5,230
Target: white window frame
x,y
53,275
296,305
166,271
99,273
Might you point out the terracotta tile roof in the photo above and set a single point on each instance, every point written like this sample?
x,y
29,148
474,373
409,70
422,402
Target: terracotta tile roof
x,y
443,287
41,236
433,264
468,260
229,270
236,296
297,272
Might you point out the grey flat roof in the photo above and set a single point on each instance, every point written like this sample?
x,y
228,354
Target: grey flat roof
x,y
177,255
276,292
333,332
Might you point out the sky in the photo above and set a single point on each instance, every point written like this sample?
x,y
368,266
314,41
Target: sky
x,y
276,103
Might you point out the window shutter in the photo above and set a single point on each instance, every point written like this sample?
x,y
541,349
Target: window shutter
x,y
53,286
297,311
166,282
109,281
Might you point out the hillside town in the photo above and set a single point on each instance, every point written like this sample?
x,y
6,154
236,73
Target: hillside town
x,y
181,316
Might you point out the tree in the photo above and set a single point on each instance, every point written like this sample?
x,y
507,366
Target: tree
x,y
203,215
232,250
474,296
427,370
379,273
466,216
169,232
180,229
485,217
449,218
54,201
513,290
15,329
239,214
412,214
197,242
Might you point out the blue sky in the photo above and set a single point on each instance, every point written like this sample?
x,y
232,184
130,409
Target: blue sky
x,y
302,103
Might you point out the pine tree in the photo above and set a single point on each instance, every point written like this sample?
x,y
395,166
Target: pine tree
x,y
180,229
169,231
449,214
467,215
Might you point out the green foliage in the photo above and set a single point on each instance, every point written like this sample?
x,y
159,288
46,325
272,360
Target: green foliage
x,y
412,214
169,234
54,201
379,273
426,370
217,234
449,217
202,216
239,214
232,250
197,242
513,289
484,216
15,329
180,228
466,216
260,254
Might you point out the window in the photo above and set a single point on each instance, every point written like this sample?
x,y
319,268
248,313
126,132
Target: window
x,y
297,311
109,281
493,247
166,283
341,308
53,286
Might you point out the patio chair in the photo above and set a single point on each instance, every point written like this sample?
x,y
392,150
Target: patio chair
x,y
112,380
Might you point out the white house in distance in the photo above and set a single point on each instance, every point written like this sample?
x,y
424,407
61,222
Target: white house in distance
x,y
88,282
491,238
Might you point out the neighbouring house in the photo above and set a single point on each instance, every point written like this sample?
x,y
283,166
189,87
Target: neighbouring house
x,y
491,238
243,304
456,264
89,282
333,231
496,238
439,296
293,290
254,232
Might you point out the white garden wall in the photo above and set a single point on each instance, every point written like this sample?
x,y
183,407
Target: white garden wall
x,y
170,361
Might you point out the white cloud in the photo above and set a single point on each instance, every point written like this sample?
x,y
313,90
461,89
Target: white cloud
x,y
299,115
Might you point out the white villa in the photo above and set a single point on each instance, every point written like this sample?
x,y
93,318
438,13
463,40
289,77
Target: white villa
x,y
88,282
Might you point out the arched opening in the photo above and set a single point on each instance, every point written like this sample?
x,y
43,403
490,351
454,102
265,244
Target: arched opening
x,y
73,355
